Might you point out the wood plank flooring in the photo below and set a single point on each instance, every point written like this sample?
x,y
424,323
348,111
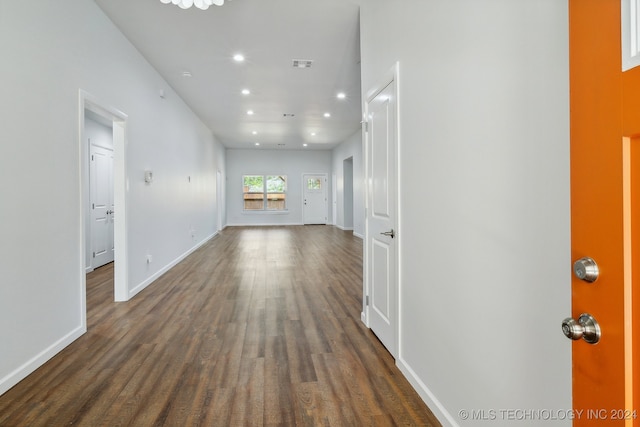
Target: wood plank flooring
x,y
259,327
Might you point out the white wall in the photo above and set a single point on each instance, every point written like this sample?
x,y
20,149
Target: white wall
x,y
293,163
485,250
351,148
51,50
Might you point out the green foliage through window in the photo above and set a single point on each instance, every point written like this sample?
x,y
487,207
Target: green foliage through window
x,y
264,192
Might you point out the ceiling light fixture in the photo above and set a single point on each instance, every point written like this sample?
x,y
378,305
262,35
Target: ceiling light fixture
x,y
341,95
302,63
250,112
305,144
246,92
238,57
257,144
327,115
200,4
255,132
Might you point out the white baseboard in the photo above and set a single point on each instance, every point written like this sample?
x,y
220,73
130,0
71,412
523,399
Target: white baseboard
x,y
427,396
265,225
133,292
344,228
40,359
358,235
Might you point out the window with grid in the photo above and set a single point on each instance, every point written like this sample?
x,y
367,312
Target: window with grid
x,y
264,192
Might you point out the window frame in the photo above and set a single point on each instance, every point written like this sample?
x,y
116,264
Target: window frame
x,y
267,196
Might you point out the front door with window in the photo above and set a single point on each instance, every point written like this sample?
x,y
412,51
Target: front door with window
x,y
314,208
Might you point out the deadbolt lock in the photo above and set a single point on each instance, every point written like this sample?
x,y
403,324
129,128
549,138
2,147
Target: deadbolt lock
x,y
586,269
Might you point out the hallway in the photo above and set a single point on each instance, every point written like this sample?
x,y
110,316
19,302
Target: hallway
x,y
259,327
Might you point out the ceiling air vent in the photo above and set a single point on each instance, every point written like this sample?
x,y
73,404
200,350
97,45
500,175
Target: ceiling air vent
x,y
302,63
288,115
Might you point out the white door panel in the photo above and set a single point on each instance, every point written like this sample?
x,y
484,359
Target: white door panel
x,y
381,240
380,291
315,199
101,180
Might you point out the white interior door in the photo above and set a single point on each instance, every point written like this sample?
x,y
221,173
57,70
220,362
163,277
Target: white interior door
x,y
381,237
102,215
314,198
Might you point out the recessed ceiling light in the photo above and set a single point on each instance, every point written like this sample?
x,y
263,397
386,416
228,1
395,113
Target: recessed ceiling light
x,y
246,91
327,115
257,143
305,144
341,95
250,112
187,74
238,57
313,134
255,132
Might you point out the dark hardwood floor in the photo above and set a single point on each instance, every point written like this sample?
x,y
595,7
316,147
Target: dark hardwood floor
x,y
259,327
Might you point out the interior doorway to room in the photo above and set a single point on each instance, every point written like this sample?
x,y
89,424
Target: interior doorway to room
x,y
219,197
98,133
347,193
314,209
103,190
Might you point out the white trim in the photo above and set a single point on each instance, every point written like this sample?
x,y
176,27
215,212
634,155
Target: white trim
x,y
396,79
630,34
344,228
133,292
275,224
437,408
358,235
40,359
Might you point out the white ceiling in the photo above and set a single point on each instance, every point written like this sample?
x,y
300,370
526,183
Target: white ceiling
x,y
270,34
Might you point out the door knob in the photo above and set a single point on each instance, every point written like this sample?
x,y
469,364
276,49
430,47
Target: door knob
x,y
586,269
389,233
586,327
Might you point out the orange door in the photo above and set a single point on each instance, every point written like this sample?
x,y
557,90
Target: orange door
x,y
605,120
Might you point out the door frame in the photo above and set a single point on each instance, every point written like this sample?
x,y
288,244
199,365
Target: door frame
x,y
390,78
219,200
120,181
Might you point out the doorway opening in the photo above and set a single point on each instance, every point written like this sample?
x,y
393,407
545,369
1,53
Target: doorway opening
x,y
100,211
347,193
95,115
